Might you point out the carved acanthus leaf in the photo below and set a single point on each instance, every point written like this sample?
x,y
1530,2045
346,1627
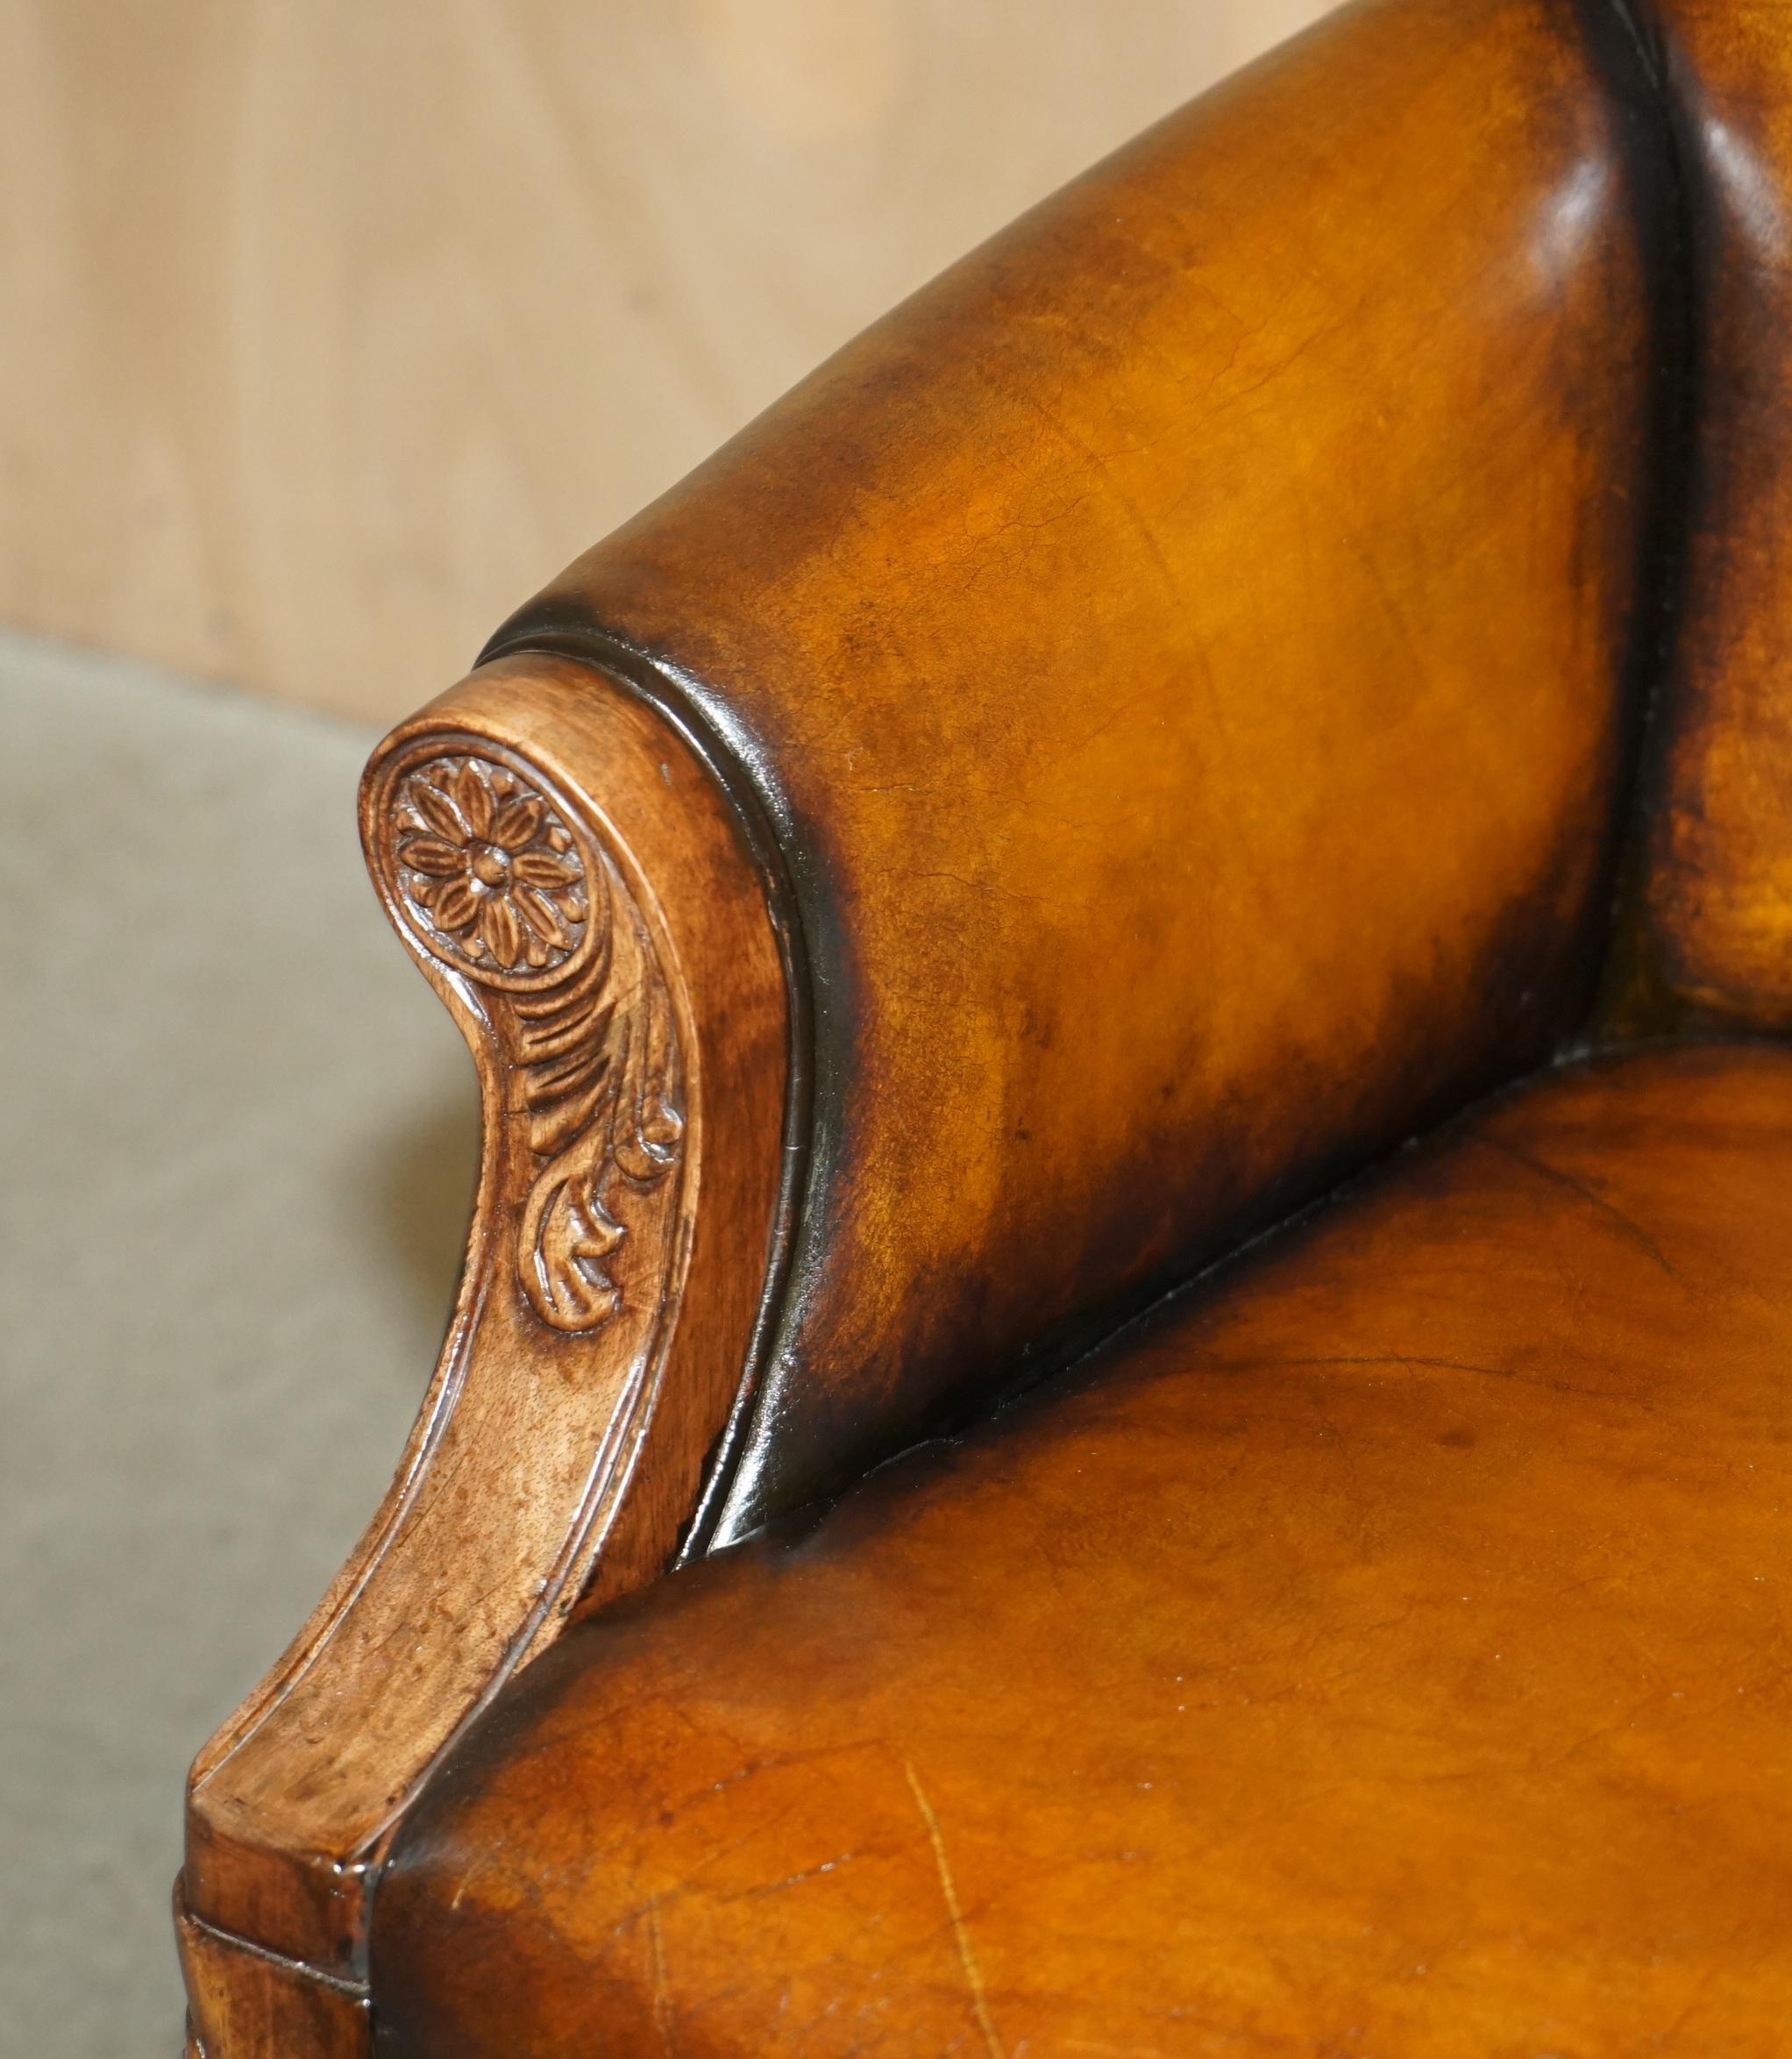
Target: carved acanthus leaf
x,y
500,881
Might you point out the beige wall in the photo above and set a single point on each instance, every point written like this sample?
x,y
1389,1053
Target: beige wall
x,y
330,328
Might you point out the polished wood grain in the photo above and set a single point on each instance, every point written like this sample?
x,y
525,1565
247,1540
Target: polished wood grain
x,y
328,329
1381,1651
588,903
243,1999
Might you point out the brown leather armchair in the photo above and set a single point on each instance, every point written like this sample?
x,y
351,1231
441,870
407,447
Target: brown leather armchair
x,y
1166,898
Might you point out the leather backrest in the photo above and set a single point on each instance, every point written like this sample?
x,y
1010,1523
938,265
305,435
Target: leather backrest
x,y
1183,656
1716,904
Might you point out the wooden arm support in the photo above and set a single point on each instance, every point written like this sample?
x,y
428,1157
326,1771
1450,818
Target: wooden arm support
x,y
575,884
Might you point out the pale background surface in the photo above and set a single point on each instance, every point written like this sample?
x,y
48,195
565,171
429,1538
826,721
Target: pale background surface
x,y
329,329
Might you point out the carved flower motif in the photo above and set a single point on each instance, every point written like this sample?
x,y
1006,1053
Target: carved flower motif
x,y
490,865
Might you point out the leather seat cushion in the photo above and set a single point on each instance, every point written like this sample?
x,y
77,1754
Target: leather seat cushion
x,y
1383,1649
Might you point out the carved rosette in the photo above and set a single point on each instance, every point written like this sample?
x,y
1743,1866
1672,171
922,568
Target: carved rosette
x,y
494,876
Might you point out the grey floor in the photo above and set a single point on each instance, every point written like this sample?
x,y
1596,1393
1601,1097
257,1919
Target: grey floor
x,y
237,1141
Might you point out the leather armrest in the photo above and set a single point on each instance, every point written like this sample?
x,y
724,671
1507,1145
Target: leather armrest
x,y
1190,657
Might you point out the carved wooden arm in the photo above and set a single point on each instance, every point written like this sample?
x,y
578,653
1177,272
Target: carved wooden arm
x,y
1141,731
591,905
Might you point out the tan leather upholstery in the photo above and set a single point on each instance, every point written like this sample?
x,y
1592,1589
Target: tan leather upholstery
x,y
1184,655
1719,896
1385,1650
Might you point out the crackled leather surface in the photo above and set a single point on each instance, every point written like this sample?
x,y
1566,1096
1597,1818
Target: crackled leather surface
x,y
1719,889
1385,1650
1185,655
